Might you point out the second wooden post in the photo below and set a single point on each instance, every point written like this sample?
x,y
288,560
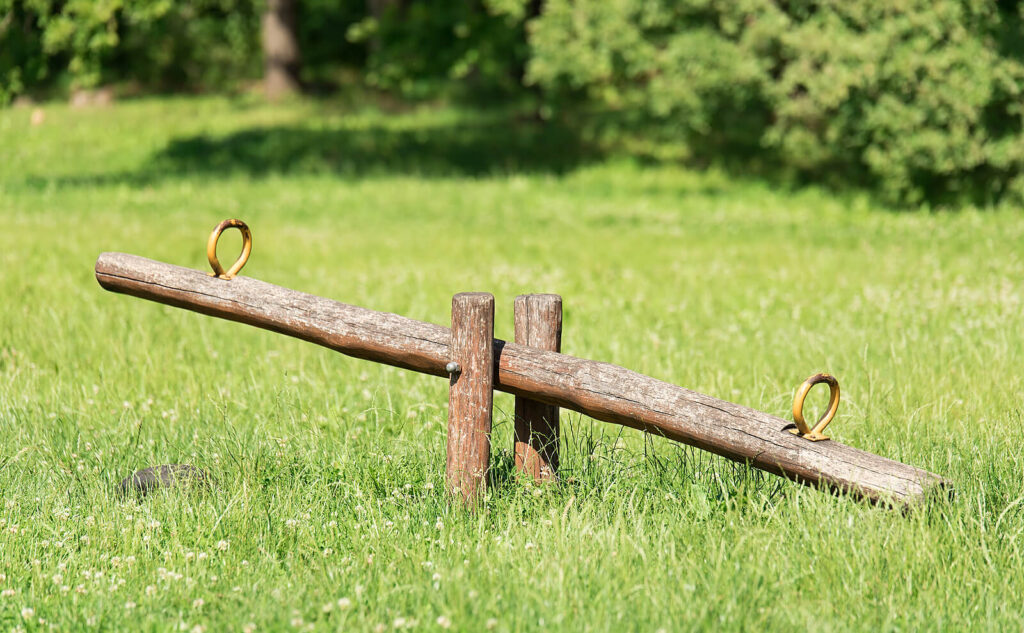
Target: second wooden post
x,y
538,324
470,394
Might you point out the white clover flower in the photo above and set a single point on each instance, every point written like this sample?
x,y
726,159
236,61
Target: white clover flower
x,y
129,605
249,628
7,593
492,623
344,603
444,622
223,545
27,612
198,603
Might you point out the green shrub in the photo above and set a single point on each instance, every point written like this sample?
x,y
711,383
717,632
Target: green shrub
x,y
417,48
921,98
157,44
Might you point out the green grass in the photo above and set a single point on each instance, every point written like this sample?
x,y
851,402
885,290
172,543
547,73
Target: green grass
x,y
329,469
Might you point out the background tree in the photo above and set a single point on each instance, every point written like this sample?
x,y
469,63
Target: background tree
x,y
281,60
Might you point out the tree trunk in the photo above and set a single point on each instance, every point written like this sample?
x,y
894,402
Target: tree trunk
x,y
280,49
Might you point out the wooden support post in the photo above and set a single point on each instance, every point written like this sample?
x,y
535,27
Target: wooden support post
x,y
538,324
470,394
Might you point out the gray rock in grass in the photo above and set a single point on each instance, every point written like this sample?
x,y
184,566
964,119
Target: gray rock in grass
x,y
169,475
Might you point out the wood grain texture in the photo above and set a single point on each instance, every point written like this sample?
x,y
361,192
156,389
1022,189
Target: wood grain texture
x,y
470,395
601,390
538,324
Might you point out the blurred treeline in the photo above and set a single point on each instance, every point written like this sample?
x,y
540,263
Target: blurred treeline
x,y
921,100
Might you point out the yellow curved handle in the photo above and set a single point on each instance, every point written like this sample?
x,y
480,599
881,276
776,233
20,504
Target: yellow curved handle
x,y
817,433
211,248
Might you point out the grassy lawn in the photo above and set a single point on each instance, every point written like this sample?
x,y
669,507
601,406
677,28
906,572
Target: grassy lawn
x,y
328,511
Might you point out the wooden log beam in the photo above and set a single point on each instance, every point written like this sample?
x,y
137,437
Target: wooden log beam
x,y
600,390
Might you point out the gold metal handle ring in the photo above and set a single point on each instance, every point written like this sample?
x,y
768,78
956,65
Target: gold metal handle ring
x,y
815,434
211,248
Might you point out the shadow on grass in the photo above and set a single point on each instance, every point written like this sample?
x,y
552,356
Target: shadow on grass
x,y
496,145
462,150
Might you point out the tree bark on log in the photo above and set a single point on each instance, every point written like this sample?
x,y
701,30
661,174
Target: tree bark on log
x,y
600,390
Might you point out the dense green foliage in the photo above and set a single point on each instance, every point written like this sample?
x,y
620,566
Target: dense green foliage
x,y
922,100
328,512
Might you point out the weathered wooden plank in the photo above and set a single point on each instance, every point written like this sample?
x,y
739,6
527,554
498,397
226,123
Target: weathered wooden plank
x,y
601,390
538,324
470,395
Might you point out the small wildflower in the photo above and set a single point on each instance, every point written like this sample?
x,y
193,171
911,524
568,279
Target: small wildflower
x,y
7,593
327,608
297,622
328,551
399,623
27,612
249,628
436,576
344,603
444,622
198,603
129,605
492,623
223,545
